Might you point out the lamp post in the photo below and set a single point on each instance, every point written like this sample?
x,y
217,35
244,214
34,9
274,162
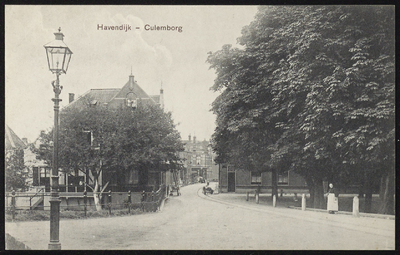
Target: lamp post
x,y
58,57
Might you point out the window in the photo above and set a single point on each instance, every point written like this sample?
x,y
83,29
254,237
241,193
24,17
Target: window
x,y
133,177
255,177
131,100
283,179
44,172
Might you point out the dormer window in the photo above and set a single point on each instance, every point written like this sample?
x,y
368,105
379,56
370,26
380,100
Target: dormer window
x,y
131,100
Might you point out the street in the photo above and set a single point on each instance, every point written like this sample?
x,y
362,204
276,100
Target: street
x,y
193,221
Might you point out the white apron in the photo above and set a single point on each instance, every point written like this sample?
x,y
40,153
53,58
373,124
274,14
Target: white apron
x,y
332,202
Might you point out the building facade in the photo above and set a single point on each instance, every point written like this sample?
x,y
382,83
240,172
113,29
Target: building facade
x,y
199,161
236,180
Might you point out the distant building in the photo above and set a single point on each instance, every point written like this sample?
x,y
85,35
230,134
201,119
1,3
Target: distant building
x,y
199,161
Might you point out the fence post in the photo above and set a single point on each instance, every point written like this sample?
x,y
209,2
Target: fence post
x,y
247,196
257,196
143,199
109,202
13,204
273,200
303,202
356,208
85,201
152,196
129,202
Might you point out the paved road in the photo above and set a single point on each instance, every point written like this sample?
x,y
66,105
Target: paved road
x,y
193,221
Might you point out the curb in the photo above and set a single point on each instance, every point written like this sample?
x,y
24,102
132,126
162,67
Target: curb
x,y
370,215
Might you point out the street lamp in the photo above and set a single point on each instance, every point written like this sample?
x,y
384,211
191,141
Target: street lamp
x,y
58,57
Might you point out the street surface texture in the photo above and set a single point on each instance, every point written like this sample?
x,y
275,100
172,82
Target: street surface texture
x,y
214,222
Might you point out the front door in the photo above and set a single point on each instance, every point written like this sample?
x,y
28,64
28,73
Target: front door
x,y
231,181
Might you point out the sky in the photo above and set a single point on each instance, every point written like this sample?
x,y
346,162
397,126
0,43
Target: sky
x,y
106,58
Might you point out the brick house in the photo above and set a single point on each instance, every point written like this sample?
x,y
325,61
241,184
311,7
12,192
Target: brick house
x,y
130,95
236,180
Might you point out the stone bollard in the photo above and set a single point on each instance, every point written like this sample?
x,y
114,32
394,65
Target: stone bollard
x,y
356,206
303,202
129,202
274,201
247,196
109,202
143,200
257,197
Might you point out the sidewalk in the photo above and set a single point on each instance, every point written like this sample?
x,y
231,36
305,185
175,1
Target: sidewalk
x,y
378,226
264,201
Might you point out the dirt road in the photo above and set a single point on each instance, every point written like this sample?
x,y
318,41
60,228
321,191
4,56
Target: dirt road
x,y
192,221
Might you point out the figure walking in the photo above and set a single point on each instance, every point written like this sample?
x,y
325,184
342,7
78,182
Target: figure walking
x,y
332,200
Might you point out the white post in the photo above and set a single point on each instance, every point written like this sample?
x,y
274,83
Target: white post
x,y
273,200
303,202
356,204
66,182
257,197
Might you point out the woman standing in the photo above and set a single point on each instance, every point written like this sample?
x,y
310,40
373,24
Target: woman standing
x,y
332,200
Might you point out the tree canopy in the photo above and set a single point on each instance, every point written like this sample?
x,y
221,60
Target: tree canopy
x,y
118,138
15,178
312,90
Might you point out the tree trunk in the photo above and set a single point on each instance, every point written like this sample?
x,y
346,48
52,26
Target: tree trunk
x,y
310,185
387,194
368,198
96,196
319,200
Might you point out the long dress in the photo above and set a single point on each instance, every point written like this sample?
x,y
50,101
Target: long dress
x,y
333,204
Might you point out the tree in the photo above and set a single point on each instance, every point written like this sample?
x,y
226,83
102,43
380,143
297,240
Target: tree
x,y
123,139
312,91
14,170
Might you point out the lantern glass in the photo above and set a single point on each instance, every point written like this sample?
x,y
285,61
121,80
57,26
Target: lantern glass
x,y
58,55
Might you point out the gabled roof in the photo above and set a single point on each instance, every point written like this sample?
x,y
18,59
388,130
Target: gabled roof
x,y
156,98
112,95
12,141
103,95
100,95
132,86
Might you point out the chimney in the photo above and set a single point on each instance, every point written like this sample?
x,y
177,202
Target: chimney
x,y
190,138
25,140
71,97
131,79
